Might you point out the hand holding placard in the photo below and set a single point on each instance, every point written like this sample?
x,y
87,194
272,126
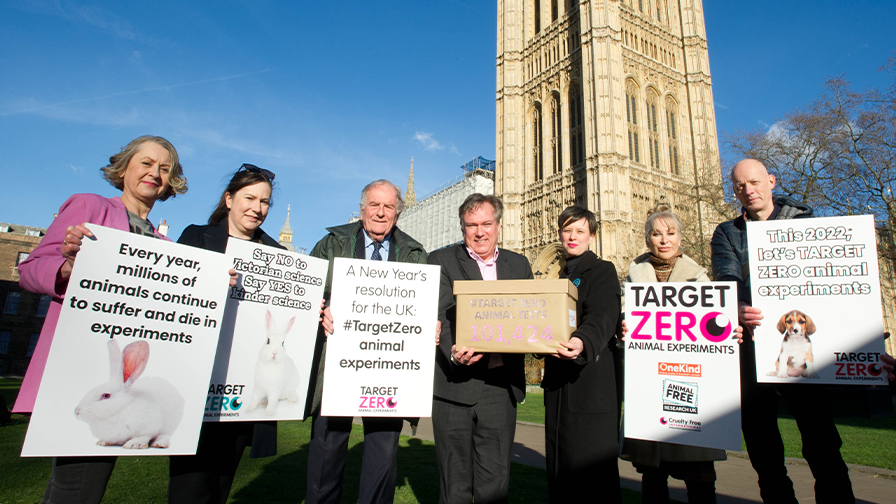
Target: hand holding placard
x,y
129,296
267,340
805,274
71,245
384,317
682,364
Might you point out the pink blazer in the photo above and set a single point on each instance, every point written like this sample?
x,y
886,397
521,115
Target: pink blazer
x,y
40,273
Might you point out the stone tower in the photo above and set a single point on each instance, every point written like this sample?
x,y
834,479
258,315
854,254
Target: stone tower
x,y
286,233
606,104
410,197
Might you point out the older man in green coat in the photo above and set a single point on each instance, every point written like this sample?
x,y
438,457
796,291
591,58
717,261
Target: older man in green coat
x,y
375,237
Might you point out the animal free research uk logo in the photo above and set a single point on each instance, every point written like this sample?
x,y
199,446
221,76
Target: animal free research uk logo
x,y
680,397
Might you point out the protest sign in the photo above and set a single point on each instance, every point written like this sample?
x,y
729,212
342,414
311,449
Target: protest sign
x,y
267,337
381,358
133,350
818,286
682,373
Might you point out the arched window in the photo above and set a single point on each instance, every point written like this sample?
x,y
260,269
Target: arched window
x,y
536,11
653,136
672,130
536,142
556,144
631,117
659,11
576,129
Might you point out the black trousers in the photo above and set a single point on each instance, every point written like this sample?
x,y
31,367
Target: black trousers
x,y
206,478
329,449
821,441
581,453
699,477
78,480
474,446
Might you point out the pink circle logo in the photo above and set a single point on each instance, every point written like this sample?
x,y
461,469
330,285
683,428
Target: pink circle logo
x,y
715,327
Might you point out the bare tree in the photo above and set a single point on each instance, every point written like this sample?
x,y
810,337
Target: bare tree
x,y
703,203
838,154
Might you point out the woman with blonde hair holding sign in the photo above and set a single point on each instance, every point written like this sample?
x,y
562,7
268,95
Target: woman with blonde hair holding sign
x,y
147,170
656,461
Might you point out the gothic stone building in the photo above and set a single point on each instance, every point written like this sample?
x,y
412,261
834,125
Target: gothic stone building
x,y
22,315
606,104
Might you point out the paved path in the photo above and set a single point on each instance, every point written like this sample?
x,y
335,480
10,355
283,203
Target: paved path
x,y
736,479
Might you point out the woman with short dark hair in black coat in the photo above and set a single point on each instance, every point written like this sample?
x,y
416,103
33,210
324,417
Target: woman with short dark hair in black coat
x,y
581,420
208,476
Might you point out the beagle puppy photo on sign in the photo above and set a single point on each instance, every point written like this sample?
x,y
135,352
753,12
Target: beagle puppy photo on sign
x,y
796,357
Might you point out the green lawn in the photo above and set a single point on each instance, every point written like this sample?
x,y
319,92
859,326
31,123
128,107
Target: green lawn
x,y
269,480
866,441
532,410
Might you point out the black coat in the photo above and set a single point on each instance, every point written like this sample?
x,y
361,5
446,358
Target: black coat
x,y
262,436
581,420
458,383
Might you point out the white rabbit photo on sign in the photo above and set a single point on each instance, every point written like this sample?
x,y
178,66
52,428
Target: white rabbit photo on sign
x,y
267,335
130,411
141,372
276,375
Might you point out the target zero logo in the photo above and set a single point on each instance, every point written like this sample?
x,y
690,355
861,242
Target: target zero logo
x,y
714,326
858,366
378,398
675,317
223,398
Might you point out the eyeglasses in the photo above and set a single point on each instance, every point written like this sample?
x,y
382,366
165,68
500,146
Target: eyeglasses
x,y
251,168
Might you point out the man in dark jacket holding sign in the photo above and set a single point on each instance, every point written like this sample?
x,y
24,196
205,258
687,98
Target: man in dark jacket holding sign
x,y
821,442
374,238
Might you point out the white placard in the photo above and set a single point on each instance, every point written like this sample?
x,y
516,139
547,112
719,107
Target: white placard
x,y
267,338
381,358
133,351
682,372
818,286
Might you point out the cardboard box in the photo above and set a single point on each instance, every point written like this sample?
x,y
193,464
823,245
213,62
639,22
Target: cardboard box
x,y
514,316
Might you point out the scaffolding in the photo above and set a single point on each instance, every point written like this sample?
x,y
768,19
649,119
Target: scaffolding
x,y
480,163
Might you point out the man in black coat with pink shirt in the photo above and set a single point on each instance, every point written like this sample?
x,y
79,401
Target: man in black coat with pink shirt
x,y
474,408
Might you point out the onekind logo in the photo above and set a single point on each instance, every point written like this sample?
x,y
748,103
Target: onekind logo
x,y
673,369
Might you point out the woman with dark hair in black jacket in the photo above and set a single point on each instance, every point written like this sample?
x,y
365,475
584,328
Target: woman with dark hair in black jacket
x,y
207,476
581,420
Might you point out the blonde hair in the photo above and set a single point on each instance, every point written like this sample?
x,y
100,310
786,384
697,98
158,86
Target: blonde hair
x,y
661,211
118,163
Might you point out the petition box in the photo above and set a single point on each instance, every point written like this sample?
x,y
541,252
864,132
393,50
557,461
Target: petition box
x,y
514,316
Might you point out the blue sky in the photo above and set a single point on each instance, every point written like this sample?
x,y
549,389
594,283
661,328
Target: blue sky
x,y
330,95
